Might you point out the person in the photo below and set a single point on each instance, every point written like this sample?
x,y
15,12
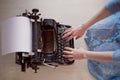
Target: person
x,y
102,35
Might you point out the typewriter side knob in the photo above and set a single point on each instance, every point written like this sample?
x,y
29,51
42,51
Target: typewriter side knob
x,y
35,10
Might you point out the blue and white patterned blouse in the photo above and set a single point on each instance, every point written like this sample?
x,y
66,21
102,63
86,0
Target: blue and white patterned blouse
x,y
105,36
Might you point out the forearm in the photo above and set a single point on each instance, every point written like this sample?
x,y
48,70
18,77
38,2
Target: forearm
x,y
99,56
102,14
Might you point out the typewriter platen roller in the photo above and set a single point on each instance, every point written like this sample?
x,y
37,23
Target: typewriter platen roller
x,y
50,45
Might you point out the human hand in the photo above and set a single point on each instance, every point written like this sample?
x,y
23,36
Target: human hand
x,y
73,32
74,54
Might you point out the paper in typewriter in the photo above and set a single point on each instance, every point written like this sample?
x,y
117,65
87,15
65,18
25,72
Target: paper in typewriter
x,y
16,35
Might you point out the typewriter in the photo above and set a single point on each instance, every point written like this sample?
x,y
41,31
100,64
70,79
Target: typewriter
x,y
47,43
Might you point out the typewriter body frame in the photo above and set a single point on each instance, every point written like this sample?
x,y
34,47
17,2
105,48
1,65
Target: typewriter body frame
x,y
46,34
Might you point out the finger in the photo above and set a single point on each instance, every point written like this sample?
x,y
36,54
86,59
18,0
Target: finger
x,y
67,34
71,59
67,52
68,49
69,38
77,37
67,30
68,56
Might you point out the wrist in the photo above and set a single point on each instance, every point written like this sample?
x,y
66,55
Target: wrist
x,y
86,25
83,27
85,56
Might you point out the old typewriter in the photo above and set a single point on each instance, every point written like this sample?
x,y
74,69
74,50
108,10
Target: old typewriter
x,y
47,43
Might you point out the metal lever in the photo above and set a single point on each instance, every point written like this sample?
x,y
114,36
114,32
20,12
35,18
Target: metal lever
x,y
52,66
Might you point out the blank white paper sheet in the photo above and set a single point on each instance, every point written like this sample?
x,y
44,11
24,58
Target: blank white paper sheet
x,y
16,35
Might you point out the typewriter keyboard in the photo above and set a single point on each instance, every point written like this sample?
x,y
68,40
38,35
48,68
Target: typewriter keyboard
x,y
61,43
